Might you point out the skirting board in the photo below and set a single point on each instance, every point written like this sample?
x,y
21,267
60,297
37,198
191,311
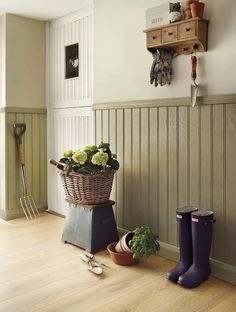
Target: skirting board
x,y
219,269
18,213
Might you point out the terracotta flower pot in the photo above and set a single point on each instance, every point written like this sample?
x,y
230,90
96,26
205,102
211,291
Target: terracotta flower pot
x,y
120,258
185,4
123,245
197,9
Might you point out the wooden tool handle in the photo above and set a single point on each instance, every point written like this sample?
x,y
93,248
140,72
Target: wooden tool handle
x,y
21,154
194,67
56,164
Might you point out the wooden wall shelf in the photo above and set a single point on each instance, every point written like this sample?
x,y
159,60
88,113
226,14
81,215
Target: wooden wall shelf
x,y
183,37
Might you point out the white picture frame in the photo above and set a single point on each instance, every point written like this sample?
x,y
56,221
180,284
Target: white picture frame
x,y
157,16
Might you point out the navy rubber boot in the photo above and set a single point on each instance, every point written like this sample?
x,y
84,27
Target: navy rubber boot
x,y
183,217
202,228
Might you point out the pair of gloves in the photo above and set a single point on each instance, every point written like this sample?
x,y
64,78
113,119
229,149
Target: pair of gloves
x,y
161,70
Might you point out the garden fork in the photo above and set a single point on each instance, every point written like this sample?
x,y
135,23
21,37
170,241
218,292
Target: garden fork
x,y
27,202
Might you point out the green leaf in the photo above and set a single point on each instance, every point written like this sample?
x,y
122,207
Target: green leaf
x,y
104,145
113,163
144,242
64,160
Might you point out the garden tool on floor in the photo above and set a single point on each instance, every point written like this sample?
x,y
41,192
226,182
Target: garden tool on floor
x,y
93,265
27,202
194,86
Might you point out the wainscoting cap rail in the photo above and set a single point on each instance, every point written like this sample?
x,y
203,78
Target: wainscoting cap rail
x,y
29,110
170,102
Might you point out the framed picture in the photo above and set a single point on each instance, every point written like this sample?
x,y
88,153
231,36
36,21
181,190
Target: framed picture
x,y
72,61
157,16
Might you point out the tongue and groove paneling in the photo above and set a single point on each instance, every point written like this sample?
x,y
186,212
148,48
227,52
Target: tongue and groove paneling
x,y
172,155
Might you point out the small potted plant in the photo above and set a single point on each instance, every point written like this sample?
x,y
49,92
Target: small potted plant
x,y
144,243
140,243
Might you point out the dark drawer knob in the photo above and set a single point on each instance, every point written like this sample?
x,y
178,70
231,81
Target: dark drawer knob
x,y
188,29
170,33
154,37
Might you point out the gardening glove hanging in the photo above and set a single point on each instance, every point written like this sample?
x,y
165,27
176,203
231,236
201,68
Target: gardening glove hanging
x,y
156,67
161,70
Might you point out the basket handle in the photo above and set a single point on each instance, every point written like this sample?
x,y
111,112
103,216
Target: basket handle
x,y
56,164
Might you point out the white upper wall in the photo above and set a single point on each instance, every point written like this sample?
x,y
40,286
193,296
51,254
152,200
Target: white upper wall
x,y
71,29
122,63
42,10
25,62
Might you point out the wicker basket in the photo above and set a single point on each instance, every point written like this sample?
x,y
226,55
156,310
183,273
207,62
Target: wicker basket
x,y
87,189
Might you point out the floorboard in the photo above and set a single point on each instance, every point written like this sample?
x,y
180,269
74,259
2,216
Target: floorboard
x,y
40,274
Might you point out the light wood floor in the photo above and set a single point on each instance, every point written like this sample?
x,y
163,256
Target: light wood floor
x,y
39,273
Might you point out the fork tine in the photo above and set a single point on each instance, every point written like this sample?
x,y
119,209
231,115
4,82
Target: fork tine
x,y
24,207
34,205
30,205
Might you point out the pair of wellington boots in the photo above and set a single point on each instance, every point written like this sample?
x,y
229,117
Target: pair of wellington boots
x,y
195,236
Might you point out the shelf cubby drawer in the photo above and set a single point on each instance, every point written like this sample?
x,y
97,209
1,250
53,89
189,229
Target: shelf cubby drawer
x,y
187,30
153,38
169,34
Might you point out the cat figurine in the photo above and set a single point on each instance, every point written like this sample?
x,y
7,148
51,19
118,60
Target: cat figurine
x,y
175,12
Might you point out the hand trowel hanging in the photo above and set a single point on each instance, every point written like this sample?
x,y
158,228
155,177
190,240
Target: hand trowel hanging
x,y
194,86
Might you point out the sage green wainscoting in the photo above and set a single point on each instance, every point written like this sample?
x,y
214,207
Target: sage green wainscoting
x,y
35,148
172,155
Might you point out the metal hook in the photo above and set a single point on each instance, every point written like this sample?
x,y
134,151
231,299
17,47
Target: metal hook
x,y
195,47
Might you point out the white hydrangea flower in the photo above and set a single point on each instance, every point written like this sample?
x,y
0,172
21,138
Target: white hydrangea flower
x,y
89,148
100,158
68,153
80,157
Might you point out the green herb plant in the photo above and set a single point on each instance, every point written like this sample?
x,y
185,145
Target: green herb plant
x,y
144,243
